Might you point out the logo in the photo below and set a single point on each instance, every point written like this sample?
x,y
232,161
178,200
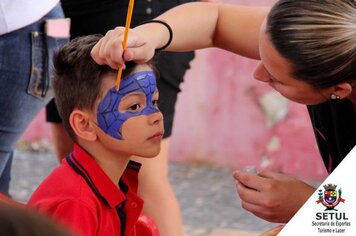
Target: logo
x,y
330,198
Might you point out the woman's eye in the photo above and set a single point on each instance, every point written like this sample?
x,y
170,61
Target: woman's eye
x,y
134,107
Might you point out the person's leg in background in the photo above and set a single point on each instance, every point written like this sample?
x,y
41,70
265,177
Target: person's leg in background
x,y
160,200
5,177
161,203
62,143
22,94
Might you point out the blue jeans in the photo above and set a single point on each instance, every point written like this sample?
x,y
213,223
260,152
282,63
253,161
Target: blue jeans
x,y
25,84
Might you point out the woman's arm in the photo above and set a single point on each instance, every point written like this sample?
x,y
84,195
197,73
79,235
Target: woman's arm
x,y
201,25
195,26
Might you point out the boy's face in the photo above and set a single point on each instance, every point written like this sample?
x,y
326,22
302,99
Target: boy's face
x,y
130,117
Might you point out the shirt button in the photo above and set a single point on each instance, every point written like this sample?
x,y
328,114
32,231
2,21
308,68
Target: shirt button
x,y
148,11
134,205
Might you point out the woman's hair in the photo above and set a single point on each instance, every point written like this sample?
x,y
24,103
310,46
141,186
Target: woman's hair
x,y
318,37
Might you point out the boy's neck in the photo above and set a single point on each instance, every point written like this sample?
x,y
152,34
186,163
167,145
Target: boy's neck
x,y
111,163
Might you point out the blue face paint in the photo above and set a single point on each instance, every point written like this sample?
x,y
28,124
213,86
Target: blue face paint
x,y
110,120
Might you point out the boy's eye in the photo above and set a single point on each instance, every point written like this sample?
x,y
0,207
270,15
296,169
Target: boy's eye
x,y
155,103
134,107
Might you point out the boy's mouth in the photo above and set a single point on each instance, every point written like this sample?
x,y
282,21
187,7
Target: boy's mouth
x,y
156,136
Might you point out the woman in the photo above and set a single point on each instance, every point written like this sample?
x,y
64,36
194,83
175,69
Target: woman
x,y
308,54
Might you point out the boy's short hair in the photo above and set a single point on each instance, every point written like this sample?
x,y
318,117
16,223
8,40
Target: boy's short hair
x,y
78,79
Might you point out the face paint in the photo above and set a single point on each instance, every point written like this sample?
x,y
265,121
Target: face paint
x,y
110,119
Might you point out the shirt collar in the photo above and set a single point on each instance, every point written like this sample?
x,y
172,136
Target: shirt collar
x,y
83,163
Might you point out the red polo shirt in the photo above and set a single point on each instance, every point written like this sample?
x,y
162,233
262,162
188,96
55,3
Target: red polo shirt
x,y
79,194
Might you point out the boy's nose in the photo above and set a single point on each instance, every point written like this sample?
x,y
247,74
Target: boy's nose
x,y
156,118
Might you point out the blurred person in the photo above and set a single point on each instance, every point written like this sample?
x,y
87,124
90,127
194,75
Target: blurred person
x,y
18,220
26,51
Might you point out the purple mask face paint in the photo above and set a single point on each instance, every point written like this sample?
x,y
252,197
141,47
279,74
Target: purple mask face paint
x,y
110,119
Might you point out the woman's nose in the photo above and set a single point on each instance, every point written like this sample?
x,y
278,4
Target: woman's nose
x,y
261,74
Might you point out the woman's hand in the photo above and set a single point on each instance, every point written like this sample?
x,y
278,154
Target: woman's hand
x,y
271,196
109,50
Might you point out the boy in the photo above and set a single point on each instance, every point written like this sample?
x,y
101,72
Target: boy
x,y
108,127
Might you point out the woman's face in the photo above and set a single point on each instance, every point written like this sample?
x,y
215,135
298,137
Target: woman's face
x,y
276,71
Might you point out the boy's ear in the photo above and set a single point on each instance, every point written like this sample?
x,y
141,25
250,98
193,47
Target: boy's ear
x,y
82,125
343,90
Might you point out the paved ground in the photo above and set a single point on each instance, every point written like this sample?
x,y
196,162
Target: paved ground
x,y
207,195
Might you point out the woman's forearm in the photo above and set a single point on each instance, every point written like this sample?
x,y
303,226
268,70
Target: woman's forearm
x,y
201,25
193,25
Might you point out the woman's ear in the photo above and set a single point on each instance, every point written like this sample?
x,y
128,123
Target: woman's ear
x,y
82,125
342,90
